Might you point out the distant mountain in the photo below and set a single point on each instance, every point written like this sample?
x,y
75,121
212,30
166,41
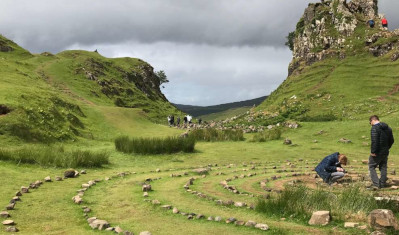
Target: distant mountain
x,y
204,110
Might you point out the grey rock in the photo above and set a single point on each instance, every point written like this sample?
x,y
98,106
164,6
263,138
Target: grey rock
x,y
250,223
381,219
12,229
8,222
145,233
70,173
24,189
320,218
47,179
263,227
218,218
4,214
10,206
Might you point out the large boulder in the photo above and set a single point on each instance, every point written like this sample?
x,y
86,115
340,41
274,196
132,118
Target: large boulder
x,y
320,218
99,224
382,218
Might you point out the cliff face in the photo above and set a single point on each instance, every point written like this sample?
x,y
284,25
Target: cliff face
x,y
328,29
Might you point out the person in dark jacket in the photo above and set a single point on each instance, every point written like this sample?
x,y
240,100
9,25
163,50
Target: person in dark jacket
x,y
330,169
178,121
381,141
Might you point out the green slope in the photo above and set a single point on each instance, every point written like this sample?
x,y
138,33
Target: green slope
x,y
67,96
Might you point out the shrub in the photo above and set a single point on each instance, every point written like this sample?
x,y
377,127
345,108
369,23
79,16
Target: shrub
x,y
273,134
166,145
300,202
211,134
54,157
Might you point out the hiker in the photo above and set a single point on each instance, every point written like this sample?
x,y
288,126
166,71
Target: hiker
x,y
169,118
199,121
381,141
189,118
384,22
330,170
371,23
172,120
185,120
178,121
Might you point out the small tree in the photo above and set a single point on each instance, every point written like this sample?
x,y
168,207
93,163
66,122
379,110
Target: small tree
x,y
162,77
290,40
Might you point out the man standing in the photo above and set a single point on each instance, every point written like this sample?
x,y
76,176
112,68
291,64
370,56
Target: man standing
x,y
381,141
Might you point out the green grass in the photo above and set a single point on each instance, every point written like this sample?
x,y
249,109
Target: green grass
x,y
300,202
267,135
166,145
212,134
54,157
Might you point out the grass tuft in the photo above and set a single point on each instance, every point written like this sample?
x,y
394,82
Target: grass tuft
x,y
273,134
300,202
54,157
211,135
166,145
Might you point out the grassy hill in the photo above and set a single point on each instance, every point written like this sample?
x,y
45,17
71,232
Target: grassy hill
x,y
65,97
223,115
197,111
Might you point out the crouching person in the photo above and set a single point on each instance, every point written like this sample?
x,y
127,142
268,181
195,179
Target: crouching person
x,y
330,169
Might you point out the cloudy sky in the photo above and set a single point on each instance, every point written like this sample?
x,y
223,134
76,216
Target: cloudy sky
x,y
213,51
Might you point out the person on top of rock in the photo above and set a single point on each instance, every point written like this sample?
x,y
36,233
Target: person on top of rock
x,y
330,169
199,121
381,141
384,23
371,23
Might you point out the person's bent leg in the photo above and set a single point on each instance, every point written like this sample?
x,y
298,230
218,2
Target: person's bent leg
x,y
373,174
383,169
336,176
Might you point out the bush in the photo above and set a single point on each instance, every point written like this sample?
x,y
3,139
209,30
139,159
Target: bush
x,y
166,145
273,134
211,134
326,117
300,202
54,157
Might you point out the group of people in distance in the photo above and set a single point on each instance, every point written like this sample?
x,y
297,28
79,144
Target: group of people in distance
x,y
330,168
186,120
384,23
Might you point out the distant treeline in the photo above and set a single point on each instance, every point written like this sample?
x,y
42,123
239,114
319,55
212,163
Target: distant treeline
x,y
204,110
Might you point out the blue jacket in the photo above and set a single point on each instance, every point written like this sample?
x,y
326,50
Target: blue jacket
x,y
328,166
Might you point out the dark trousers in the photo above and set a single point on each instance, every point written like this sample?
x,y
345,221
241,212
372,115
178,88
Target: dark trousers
x,y
380,161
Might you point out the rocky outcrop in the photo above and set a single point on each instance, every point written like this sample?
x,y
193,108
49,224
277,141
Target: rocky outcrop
x,y
325,31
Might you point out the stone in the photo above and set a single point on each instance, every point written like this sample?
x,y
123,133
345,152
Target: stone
x,y
365,162
230,220
47,179
175,210
200,216
118,229
110,229
145,233
70,173
210,218
107,178
76,173
83,172
91,219
86,210
201,171
382,218
166,207
146,188
8,222
10,206
99,224
4,214
363,227
320,218
12,229
263,227
240,204
58,178
85,185
345,141
24,189
218,218
287,142
156,202
377,233
190,217
77,199
18,194
239,223
157,170
127,233
351,225
145,194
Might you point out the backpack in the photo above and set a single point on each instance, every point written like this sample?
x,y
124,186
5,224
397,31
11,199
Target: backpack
x,y
371,23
